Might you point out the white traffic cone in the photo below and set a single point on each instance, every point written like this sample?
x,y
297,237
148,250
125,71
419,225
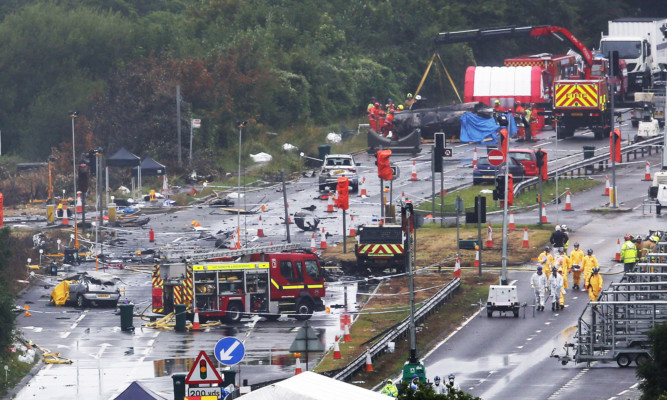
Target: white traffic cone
x,y
330,203
313,248
413,173
195,322
544,213
363,192
606,186
457,267
369,362
568,201
647,172
260,228
346,333
79,203
474,157
476,263
297,369
353,230
511,226
525,237
323,240
489,237
336,355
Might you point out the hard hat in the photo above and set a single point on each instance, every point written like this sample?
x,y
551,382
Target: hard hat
x,y
539,268
596,269
561,250
437,378
451,376
518,103
400,106
377,104
390,381
557,227
389,100
589,251
563,227
409,96
496,102
547,248
576,244
415,376
628,236
502,120
638,239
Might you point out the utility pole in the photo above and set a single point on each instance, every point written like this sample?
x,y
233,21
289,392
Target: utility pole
x,y
178,124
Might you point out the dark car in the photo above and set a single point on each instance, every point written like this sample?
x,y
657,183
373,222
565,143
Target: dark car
x,y
486,173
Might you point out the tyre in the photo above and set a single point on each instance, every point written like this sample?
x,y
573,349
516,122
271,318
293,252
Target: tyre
x,y
658,208
641,358
355,189
489,313
234,312
304,309
323,188
516,313
623,360
80,301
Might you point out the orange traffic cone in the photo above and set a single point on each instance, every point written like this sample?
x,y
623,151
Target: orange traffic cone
x,y
474,157
353,230
323,240
525,237
346,333
402,197
195,321
79,204
260,229
618,255
413,174
313,248
330,203
568,201
336,354
511,226
363,192
544,213
647,172
489,237
27,311
476,263
369,363
606,186
457,267
65,220
298,369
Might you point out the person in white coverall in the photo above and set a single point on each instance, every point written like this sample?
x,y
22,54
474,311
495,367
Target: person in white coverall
x,y
555,284
539,284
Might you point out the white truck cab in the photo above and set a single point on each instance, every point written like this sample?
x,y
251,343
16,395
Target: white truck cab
x,y
658,190
503,298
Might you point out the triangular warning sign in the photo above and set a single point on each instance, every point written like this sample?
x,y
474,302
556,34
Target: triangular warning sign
x,y
203,371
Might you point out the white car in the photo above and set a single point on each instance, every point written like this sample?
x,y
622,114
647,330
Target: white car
x,y
338,166
503,298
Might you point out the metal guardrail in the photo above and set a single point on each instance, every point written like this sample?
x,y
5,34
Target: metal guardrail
x,y
399,330
585,164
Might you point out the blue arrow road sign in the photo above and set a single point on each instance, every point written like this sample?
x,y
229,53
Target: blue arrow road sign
x,y
229,351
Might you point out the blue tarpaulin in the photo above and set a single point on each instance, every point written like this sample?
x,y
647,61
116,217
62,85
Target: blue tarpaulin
x,y
479,129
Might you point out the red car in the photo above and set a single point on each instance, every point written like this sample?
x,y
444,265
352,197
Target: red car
x,y
527,158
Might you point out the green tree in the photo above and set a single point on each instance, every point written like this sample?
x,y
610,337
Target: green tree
x,y
426,392
7,316
654,370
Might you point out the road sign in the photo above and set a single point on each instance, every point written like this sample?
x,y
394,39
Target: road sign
x,y
458,205
203,371
203,392
196,123
448,152
495,157
229,350
396,172
306,340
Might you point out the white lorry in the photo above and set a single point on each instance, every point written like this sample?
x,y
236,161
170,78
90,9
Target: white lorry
x,y
642,43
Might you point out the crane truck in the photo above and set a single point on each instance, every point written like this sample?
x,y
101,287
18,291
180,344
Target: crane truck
x,y
578,101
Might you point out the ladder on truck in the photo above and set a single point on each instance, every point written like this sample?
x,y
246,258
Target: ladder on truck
x,y
198,254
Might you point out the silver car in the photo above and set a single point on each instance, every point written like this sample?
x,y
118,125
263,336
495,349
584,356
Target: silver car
x,y
95,288
338,166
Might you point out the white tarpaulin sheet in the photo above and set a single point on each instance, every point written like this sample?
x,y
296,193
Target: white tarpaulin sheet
x,y
312,386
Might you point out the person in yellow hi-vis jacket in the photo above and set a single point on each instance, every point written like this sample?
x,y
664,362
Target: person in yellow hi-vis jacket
x,y
590,262
576,259
546,260
594,284
563,264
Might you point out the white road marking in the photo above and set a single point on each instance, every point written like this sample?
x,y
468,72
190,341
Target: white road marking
x,y
622,393
538,331
547,323
529,339
38,329
519,347
64,335
634,386
461,145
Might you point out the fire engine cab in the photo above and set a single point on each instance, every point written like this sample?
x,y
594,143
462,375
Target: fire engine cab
x,y
267,284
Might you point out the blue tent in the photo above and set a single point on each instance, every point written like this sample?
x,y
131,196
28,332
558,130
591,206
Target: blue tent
x,y
477,129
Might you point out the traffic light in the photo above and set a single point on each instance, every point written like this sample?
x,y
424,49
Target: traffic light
x,y
541,160
82,179
384,169
90,159
499,191
510,190
615,145
503,143
343,193
202,369
438,151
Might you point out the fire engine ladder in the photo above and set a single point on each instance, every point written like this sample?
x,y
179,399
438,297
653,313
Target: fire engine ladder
x,y
192,255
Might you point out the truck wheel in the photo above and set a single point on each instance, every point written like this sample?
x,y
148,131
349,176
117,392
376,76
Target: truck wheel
x,y
304,309
489,313
80,301
658,208
623,360
355,189
323,188
516,313
641,358
234,312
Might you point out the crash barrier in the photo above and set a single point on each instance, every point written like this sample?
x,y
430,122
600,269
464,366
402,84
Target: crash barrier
x,y
399,330
603,160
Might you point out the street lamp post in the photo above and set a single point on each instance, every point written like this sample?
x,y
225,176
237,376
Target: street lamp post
x,y
73,115
241,125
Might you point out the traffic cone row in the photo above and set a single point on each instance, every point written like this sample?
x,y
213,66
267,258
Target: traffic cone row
x,y
568,201
489,237
353,230
511,226
544,213
323,240
413,174
260,228
647,172
525,237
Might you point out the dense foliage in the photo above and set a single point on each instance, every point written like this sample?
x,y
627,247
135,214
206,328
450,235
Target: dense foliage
x,y
7,316
277,64
654,371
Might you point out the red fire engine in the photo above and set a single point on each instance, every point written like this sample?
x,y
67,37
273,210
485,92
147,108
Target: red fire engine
x,y
265,283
